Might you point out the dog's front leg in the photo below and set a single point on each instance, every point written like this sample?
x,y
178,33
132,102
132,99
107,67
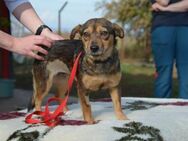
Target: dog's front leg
x,y
116,99
86,107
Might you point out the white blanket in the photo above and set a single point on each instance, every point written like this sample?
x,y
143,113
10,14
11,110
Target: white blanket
x,y
150,119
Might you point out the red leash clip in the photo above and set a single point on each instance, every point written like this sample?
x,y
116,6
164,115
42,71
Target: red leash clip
x,y
46,117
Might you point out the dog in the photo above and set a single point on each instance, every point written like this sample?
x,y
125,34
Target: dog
x,y
99,66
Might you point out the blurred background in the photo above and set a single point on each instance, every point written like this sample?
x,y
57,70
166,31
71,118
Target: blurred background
x,y
134,50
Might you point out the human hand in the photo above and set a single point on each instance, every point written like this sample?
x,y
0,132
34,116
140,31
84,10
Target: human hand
x,y
28,45
49,34
158,7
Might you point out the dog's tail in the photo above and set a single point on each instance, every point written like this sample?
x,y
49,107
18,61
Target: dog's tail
x,y
31,104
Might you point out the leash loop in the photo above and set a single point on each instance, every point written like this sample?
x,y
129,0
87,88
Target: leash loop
x,y
46,117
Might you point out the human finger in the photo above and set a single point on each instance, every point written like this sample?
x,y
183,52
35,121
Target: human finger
x,y
43,41
40,49
34,55
56,37
155,8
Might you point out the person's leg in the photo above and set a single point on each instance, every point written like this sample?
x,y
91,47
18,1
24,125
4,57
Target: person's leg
x,y
182,61
163,46
163,81
183,80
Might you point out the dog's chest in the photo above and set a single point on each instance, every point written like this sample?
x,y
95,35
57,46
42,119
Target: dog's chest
x,y
98,82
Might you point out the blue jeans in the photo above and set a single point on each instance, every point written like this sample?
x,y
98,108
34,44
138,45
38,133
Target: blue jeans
x,y
169,46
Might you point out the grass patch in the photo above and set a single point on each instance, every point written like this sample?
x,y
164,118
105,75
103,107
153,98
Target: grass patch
x,y
138,81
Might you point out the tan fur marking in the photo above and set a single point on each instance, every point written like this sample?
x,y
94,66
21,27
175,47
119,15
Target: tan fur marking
x,y
94,82
57,66
61,84
116,99
87,41
40,95
86,108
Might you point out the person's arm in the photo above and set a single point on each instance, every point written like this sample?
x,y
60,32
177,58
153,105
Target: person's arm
x,y
163,2
25,45
181,6
27,16
25,13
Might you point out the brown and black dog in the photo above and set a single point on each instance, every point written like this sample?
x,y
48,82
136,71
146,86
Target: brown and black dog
x,y
99,66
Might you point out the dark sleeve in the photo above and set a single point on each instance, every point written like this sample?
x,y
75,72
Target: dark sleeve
x,y
152,1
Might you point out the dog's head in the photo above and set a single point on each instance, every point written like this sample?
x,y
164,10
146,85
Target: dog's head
x,y
98,36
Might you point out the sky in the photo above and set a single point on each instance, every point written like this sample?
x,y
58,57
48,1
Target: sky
x,y
76,12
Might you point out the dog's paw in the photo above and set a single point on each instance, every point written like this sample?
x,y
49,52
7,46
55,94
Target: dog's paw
x,y
121,116
92,122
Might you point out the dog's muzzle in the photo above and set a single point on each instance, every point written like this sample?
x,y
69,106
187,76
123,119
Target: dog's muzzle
x,y
95,50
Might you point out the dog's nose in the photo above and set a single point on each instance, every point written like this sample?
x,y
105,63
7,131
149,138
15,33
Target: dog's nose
x,y
94,48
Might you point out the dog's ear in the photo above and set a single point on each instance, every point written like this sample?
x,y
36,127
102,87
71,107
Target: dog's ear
x,y
74,31
118,31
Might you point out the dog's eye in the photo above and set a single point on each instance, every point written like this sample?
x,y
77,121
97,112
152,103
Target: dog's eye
x,y
104,33
86,34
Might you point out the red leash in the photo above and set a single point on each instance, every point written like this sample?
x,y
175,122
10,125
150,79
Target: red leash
x,y
53,118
